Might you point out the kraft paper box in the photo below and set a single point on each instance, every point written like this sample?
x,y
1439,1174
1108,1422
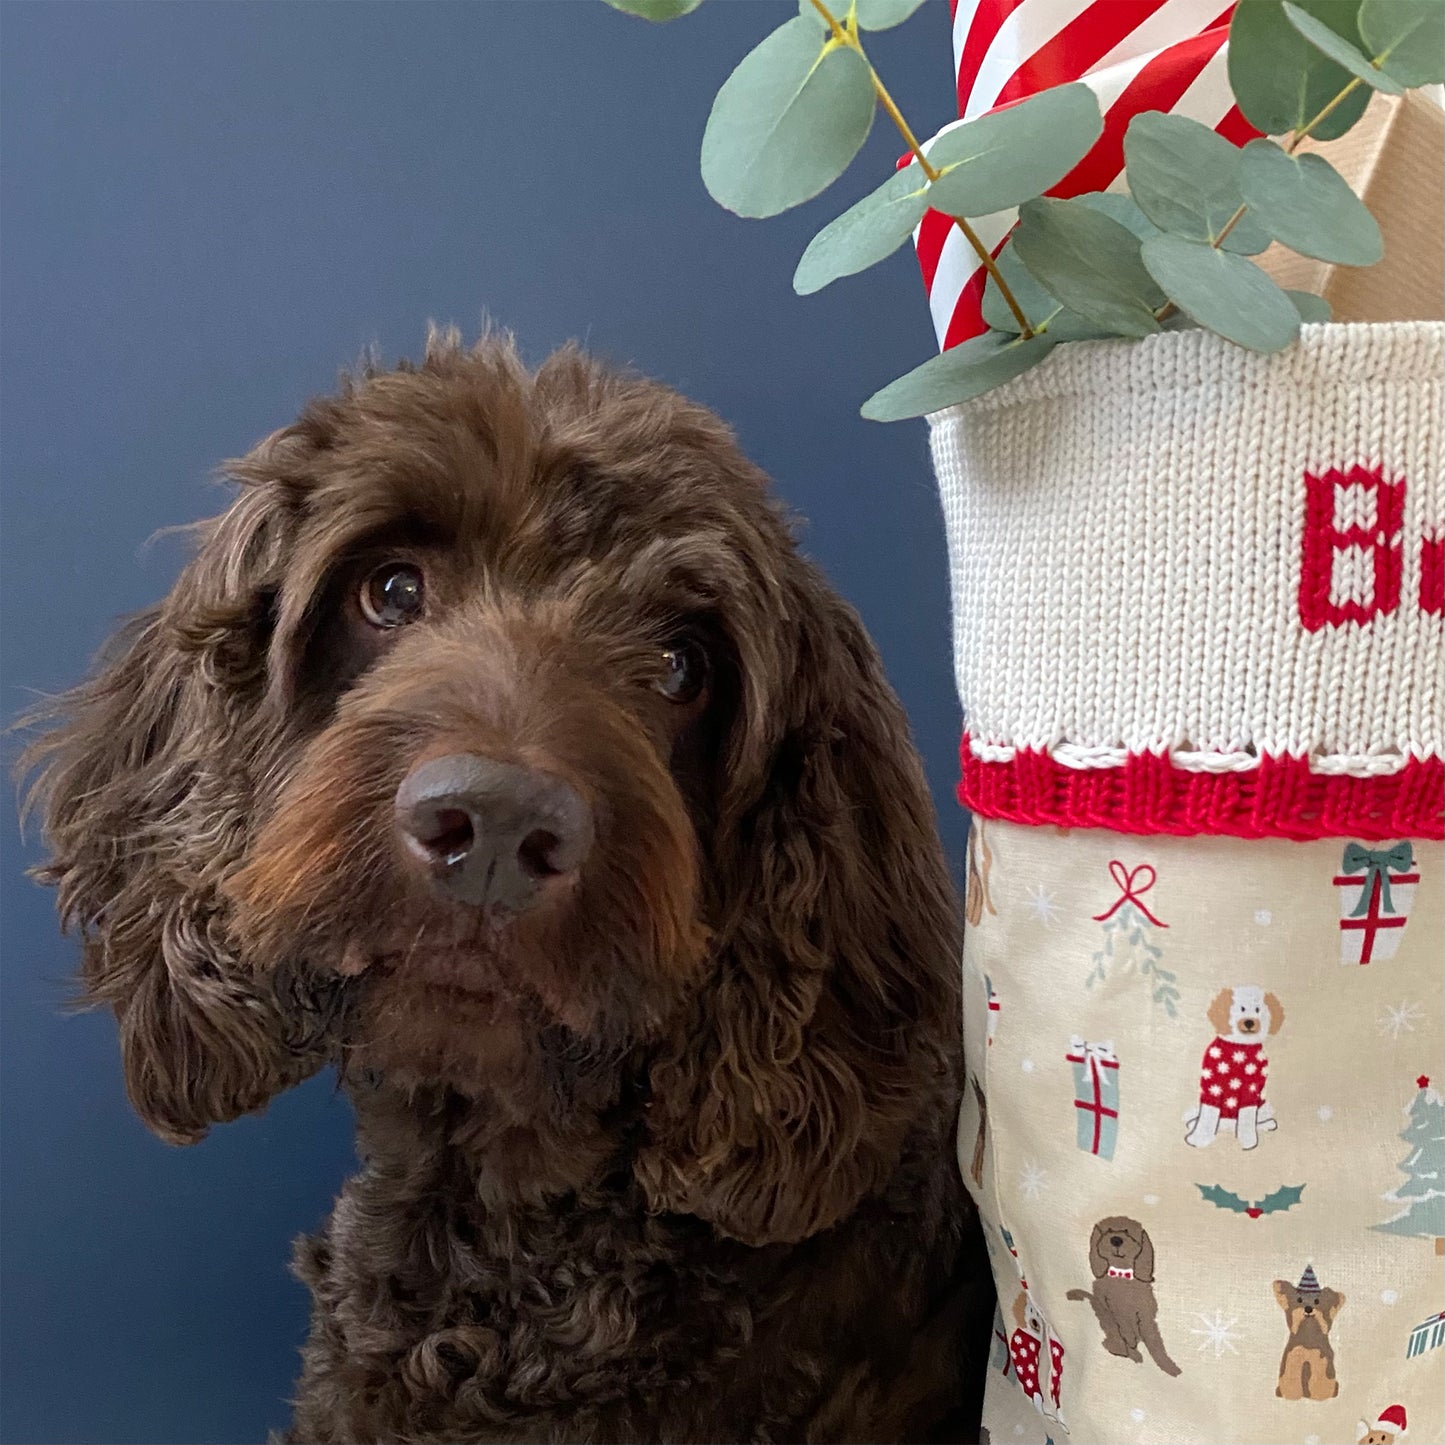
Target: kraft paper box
x,y
1394,159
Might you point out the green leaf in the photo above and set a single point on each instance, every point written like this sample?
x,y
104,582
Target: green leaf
x,y
1185,179
1121,208
786,122
1089,262
1327,42
655,9
1305,203
884,14
1036,302
1310,307
1279,79
1011,156
1229,295
1407,37
961,373
865,233
1042,309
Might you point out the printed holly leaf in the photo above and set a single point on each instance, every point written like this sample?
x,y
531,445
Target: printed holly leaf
x,y
1223,1198
1285,1197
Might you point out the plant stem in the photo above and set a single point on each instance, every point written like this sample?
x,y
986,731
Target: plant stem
x,y
849,38
1302,134
1306,130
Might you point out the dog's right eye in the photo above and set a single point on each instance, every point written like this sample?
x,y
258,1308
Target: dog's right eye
x,y
393,595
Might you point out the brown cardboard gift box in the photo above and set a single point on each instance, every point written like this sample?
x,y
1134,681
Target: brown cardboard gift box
x,y
1394,159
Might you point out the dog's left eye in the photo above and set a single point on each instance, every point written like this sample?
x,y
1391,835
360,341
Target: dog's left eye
x,y
393,595
684,671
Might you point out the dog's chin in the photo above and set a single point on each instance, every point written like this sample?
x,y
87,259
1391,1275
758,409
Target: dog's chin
x,y
421,1027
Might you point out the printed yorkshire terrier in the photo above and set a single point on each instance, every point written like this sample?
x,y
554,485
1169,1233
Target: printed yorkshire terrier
x,y
500,749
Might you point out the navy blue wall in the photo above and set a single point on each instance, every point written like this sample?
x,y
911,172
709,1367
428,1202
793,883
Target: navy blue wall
x,y
206,210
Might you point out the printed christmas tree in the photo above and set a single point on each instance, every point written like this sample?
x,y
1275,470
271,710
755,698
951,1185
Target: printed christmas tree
x,y
1422,1195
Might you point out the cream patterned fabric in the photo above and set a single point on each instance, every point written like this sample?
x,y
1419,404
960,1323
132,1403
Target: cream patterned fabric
x,y
1207,1139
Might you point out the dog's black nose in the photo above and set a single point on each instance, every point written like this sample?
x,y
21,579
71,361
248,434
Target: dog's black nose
x,y
491,834
1115,1240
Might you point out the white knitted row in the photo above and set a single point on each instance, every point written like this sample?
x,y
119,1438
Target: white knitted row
x,y
1140,563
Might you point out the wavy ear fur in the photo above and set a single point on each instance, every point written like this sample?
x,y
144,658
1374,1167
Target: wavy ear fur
x,y
1144,1265
830,1015
143,782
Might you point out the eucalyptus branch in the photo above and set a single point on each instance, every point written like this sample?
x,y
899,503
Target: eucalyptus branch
x,y
1305,131
1295,141
849,37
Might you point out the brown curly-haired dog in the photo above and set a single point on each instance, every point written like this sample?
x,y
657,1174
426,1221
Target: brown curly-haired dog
x,y
499,747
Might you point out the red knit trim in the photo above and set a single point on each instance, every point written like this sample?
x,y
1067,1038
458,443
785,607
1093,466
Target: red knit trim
x,y
1280,798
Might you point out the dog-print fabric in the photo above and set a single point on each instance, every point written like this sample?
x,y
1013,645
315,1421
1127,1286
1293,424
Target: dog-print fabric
x,y
1210,1159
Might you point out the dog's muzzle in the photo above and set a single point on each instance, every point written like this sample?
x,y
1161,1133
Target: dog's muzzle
x,y
491,834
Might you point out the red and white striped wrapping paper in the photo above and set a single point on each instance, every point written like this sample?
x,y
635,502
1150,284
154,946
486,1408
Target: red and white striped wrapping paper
x,y
1136,55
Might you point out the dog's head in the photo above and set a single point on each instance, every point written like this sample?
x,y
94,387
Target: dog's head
x,y
1300,1305
499,732
1119,1242
1027,1315
1245,1012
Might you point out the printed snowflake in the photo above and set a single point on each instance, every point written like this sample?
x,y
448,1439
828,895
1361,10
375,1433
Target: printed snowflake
x,y
1218,1334
1400,1020
1033,1180
1041,904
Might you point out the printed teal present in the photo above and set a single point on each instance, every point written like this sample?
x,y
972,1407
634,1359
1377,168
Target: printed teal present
x,y
1096,1096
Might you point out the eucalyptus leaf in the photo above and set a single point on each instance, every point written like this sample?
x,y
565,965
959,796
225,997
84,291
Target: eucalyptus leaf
x,y
1121,208
883,14
786,122
1089,262
1226,293
1306,204
1042,309
655,9
1010,156
1340,50
1407,37
1281,81
1035,301
865,233
1310,307
961,373
1185,179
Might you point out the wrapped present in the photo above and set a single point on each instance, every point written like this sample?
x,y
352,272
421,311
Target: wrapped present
x,y
1376,887
1096,1095
1135,57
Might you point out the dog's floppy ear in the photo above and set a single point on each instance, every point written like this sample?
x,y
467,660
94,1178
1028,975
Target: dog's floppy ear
x,y
1144,1265
1098,1260
1284,1293
1219,1010
832,1002
1276,1012
1331,1303
139,781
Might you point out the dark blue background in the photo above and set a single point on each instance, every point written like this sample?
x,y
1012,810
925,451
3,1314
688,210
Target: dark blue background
x,y
206,210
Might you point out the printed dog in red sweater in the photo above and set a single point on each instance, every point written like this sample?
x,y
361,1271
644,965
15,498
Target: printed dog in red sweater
x,y
1234,1069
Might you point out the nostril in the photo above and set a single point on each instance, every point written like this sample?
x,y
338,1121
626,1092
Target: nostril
x,y
449,835
536,853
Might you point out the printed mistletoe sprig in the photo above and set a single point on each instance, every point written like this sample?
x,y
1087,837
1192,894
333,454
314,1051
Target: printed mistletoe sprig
x,y
1174,251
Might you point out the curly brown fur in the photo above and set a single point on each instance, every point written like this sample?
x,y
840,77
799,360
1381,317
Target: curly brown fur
x,y
666,1157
